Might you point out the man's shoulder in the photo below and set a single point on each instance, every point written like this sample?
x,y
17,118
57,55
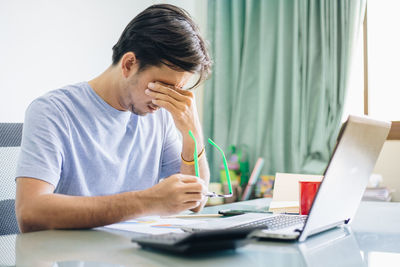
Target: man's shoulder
x,y
58,98
63,94
55,103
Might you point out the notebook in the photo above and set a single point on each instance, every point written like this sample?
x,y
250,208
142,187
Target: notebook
x,y
359,143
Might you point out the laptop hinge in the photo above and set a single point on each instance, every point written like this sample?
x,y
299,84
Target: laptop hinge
x,y
324,228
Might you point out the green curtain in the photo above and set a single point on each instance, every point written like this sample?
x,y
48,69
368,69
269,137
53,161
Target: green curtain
x,y
279,79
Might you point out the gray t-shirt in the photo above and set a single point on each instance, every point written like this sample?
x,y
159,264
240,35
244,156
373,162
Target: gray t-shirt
x,y
77,142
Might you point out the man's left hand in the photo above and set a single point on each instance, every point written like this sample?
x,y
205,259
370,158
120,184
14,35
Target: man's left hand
x,y
180,103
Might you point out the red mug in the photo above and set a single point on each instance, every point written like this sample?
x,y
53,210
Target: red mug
x,y
307,192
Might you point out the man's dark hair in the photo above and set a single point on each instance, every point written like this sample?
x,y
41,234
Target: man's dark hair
x,y
165,34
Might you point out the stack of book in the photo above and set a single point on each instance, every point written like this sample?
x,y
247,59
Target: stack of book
x,y
377,194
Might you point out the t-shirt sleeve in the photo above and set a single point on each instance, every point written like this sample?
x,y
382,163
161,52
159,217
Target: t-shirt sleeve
x,y
43,140
172,147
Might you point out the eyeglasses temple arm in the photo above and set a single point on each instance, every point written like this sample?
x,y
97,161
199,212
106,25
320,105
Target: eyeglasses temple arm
x,y
228,178
196,160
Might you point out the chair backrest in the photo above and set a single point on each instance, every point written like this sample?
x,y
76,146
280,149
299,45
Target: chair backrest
x,y
10,142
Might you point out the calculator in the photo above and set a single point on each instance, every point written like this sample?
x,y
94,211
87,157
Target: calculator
x,y
197,242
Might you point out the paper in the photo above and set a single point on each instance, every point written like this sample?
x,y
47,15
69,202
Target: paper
x,y
153,225
286,191
283,204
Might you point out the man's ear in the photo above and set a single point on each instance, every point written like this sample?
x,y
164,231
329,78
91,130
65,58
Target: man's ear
x,y
129,64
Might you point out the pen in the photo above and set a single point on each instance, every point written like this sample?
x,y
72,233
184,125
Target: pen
x,y
194,216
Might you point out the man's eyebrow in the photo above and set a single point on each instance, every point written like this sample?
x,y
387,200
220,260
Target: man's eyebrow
x,y
168,84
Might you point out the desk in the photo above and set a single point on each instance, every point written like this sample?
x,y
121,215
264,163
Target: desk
x,y
374,240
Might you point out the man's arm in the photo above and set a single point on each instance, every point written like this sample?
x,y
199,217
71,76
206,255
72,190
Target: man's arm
x,y
182,106
187,154
38,208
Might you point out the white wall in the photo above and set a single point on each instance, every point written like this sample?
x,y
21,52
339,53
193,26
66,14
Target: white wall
x,y
388,166
46,44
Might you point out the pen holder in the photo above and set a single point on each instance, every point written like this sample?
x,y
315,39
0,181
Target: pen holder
x,y
264,186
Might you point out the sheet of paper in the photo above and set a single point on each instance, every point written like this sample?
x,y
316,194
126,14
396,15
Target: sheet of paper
x,y
283,204
153,225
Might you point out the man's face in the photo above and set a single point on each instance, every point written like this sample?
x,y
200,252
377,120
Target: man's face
x,y
133,97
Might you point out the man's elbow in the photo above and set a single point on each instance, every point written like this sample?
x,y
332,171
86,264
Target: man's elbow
x,y
30,208
28,220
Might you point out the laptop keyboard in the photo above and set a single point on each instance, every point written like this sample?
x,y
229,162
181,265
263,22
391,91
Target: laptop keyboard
x,y
275,223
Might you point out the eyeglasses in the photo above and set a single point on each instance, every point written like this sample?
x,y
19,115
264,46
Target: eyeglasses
x,y
196,166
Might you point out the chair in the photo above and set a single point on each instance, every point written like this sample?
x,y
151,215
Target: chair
x,y
10,142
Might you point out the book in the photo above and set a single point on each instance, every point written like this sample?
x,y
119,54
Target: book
x,y
377,194
284,207
253,178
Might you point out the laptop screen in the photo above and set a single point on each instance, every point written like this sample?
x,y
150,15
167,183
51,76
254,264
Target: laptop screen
x,y
359,143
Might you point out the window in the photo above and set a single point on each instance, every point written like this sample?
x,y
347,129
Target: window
x,y
375,71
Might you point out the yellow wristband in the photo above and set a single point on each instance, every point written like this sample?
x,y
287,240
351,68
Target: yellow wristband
x,y
192,162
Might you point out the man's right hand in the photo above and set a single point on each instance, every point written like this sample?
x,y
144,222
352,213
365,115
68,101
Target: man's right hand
x,y
39,208
174,194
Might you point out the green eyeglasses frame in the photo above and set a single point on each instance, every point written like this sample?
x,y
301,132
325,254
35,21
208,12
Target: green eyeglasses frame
x,y
196,166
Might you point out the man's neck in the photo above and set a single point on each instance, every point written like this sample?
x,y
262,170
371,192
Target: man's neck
x,y
106,86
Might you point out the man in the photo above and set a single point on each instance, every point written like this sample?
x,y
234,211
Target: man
x,y
93,153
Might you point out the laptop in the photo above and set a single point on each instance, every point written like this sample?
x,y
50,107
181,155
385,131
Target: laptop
x,y
359,143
